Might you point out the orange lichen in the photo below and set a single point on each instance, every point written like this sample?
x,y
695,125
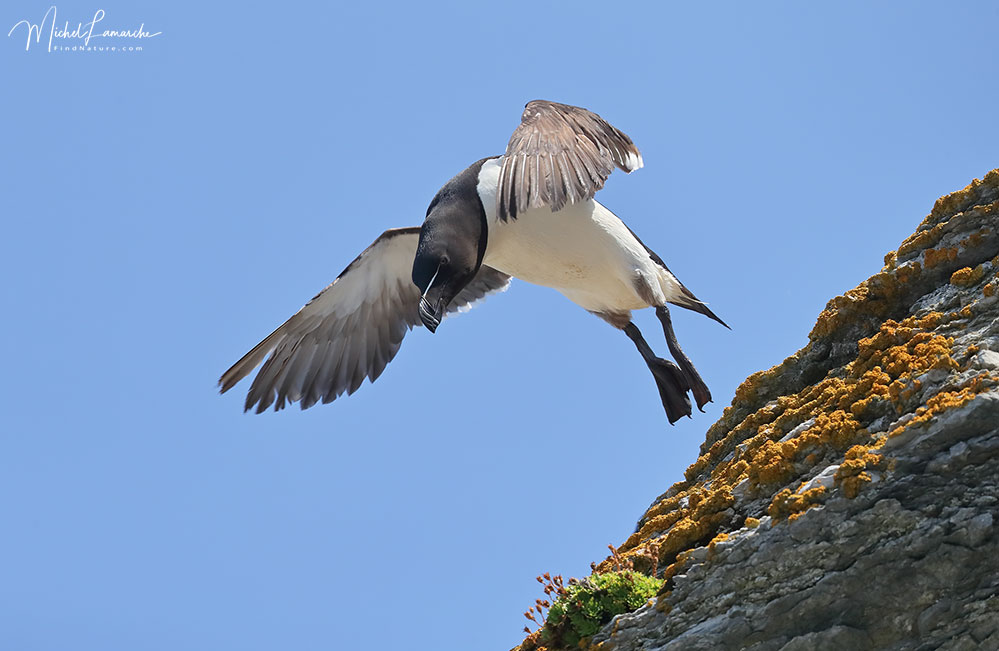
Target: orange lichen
x,y
945,400
921,240
713,545
839,311
976,238
934,257
789,505
909,272
774,463
967,276
752,523
853,484
874,296
851,474
960,200
905,348
746,391
988,209
990,289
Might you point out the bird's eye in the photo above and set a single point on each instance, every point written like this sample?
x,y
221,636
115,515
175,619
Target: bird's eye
x,y
445,261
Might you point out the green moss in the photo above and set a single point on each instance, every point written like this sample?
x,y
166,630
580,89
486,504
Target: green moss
x,y
592,602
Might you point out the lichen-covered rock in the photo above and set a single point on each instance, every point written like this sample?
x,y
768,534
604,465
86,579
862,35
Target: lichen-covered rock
x,y
849,497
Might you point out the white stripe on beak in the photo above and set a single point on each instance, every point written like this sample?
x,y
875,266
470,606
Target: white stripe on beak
x,y
431,283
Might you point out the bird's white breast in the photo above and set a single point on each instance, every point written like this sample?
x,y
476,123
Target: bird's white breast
x,y
583,250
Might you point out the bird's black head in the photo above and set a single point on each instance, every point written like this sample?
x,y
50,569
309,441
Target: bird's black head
x,y
452,243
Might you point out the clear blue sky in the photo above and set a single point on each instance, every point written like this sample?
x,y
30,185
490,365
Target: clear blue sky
x,y
163,210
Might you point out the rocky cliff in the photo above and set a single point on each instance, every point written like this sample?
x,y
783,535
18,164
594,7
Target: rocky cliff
x,y
848,498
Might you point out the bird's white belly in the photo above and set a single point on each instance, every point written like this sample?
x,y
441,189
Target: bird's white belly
x,y
583,250
574,250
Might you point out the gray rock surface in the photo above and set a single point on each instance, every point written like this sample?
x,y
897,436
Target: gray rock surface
x,y
900,553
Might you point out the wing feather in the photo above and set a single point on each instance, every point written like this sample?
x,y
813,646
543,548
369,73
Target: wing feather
x,y
309,394
350,331
560,154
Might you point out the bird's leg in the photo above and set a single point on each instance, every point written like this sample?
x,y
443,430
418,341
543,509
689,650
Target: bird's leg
x,y
670,379
700,390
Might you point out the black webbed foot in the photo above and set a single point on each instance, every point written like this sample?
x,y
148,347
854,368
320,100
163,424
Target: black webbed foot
x,y
673,387
672,382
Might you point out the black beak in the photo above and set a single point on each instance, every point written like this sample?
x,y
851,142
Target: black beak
x,y
430,314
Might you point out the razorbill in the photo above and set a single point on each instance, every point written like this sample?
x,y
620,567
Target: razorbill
x,y
527,214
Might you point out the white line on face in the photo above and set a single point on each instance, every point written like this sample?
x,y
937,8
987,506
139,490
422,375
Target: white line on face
x,y
432,279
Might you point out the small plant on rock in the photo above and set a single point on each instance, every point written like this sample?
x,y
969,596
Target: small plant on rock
x,y
579,609
591,603
554,589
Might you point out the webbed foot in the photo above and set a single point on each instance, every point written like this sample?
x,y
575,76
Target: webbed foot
x,y
673,387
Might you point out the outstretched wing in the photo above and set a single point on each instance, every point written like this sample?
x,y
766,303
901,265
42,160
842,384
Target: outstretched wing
x,y
349,331
560,154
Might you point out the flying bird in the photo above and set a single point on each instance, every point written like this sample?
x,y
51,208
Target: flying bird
x,y
527,214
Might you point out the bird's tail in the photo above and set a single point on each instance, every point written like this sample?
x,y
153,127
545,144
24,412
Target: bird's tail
x,y
691,302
